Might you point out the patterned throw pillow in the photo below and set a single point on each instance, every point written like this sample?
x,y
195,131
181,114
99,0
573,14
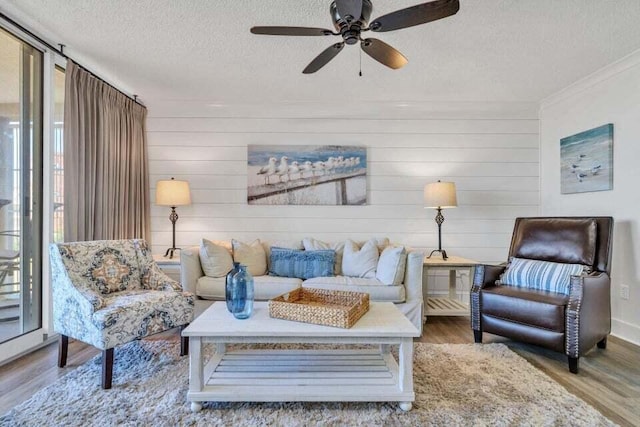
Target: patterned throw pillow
x,y
301,264
541,275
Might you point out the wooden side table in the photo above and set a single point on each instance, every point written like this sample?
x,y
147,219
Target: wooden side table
x,y
170,266
451,305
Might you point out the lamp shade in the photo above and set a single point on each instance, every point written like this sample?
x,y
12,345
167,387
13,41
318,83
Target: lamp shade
x,y
440,195
173,193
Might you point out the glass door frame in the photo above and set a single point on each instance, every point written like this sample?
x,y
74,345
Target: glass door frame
x,y
27,342
31,133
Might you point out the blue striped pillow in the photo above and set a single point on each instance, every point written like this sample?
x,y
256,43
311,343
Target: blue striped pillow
x,y
541,275
301,264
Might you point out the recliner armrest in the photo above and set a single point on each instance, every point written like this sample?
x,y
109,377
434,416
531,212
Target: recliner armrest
x,y
588,312
485,276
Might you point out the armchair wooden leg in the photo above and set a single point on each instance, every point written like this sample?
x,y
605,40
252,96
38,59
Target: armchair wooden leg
x,y
602,343
184,342
573,364
477,336
63,347
107,368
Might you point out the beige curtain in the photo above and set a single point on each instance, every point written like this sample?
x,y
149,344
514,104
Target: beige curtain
x,y
106,177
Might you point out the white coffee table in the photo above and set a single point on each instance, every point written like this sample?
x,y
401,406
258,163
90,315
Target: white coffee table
x,y
370,375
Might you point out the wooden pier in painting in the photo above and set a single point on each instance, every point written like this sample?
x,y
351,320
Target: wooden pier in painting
x,y
257,192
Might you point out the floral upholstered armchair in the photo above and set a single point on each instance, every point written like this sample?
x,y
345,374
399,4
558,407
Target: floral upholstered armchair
x,y
110,292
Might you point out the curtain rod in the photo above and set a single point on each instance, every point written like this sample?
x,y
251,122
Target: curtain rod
x,y
60,52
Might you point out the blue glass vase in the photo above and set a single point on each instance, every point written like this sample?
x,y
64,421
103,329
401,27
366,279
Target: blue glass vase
x,y
227,285
242,293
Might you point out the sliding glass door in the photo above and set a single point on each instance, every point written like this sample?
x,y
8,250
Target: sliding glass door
x,y
20,187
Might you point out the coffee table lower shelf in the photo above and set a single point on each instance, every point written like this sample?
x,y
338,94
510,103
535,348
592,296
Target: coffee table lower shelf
x,y
302,375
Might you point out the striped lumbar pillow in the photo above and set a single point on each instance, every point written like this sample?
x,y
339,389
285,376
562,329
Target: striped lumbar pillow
x,y
541,275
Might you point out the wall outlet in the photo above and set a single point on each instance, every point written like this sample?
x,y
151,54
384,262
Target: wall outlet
x,y
624,291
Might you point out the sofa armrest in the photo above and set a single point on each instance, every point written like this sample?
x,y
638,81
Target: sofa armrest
x,y
588,317
413,307
190,268
413,276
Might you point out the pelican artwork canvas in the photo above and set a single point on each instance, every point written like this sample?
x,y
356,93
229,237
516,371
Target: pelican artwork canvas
x,y
586,161
306,175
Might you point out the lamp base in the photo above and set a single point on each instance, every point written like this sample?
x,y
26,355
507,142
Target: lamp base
x,y
442,251
170,252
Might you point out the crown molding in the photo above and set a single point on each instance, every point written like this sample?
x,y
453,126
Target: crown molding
x,y
608,72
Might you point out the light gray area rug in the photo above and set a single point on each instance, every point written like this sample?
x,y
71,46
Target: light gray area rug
x,y
464,384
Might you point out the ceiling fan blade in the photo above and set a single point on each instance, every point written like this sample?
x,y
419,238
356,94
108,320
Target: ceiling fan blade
x,y
291,31
415,15
351,8
321,60
383,53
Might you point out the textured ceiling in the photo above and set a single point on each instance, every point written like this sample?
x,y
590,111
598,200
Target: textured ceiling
x,y
202,51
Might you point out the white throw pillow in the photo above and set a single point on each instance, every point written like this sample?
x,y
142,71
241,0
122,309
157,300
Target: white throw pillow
x,y
311,244
252,255
360,262
391,265
215,258
381,243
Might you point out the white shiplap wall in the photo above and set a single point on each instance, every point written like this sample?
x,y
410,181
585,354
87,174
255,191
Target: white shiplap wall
x,y
491,152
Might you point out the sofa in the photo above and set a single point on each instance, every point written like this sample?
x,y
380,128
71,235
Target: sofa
x,y
204,267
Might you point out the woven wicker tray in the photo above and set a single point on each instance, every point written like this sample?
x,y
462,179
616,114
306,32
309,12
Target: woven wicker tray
x,y
323,307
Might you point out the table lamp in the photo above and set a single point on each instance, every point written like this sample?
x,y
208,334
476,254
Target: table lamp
x,y
172,193
440,195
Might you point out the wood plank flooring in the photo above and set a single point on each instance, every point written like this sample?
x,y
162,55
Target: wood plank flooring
x,y
609,379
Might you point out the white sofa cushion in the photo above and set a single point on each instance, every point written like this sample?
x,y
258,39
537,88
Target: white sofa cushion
x,y
377,290
360,261
252,255
265,287
391,265
311,244
216,260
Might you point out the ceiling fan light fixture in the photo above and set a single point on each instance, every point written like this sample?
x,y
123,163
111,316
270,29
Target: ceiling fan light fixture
x,y
344,12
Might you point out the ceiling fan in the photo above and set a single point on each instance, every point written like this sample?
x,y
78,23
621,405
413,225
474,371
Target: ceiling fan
x,y
351,18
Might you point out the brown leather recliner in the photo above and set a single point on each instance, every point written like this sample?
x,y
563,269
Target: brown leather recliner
x,y
572,323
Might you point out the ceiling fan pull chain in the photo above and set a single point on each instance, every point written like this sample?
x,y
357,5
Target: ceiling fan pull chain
x,y
360,73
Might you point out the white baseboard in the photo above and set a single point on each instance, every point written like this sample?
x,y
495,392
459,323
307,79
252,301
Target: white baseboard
x,y
625,331
24,344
